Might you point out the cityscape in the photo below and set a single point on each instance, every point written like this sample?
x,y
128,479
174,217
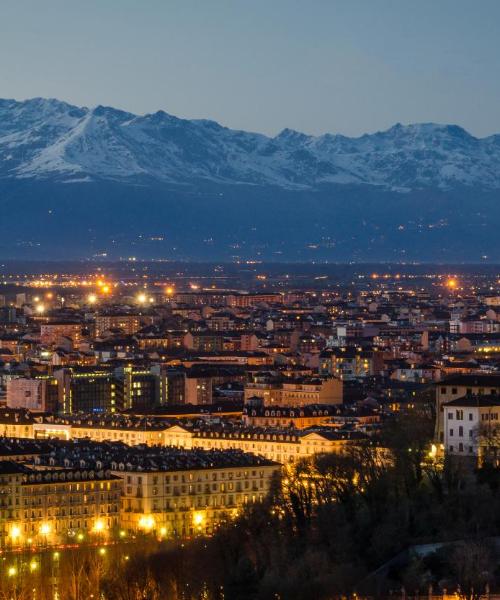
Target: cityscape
x,y
249,300
148,418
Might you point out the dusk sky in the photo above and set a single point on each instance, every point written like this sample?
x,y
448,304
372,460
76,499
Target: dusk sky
x,y
349,66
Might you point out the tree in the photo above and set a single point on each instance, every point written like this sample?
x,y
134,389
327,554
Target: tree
x,y
472,564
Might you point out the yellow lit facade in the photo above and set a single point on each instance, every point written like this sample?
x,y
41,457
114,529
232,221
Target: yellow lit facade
x,y
48,507
194,502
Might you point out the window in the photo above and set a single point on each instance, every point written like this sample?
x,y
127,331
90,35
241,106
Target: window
x,y
451,432
460,447
460,415
461,431
450,416
443,390
470,417
454,390
451,448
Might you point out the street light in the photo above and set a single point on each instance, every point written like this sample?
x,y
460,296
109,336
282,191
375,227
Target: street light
x,y
15,532
146,522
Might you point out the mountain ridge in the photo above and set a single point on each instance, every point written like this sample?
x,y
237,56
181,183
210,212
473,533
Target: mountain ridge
x,y
53,140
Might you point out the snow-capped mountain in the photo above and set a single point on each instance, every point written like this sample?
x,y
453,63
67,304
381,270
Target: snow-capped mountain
x,y
52,140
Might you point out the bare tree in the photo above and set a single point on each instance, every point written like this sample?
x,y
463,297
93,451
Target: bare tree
x,y
472,564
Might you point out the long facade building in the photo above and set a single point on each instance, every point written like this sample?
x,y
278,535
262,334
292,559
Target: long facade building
x,y
68,492
55,506
282,445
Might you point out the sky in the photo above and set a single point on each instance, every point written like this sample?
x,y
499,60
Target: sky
x,y
342,66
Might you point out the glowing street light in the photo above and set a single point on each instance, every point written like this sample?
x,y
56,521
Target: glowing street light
x,y
40,309
98,526
15,532
141,298
146,522
45,529
91,298
12,572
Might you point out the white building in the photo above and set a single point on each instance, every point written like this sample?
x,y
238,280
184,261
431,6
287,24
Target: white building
x,y
472,428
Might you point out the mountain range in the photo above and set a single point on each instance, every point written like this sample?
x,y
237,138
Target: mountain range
x,y
102,181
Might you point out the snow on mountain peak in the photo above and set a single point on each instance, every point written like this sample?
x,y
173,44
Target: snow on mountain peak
x,y
47,138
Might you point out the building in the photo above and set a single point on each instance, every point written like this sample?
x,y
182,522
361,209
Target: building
x,y
51,333
472,428
56,506
88,391
284,416
39,394
125,322
350,363
458,386
296,392
140,388
279,445
178,493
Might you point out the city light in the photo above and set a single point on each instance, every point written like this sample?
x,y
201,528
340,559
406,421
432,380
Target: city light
x,y
169,291
45,529
91,298
98,526
141,298
452,283
33,565
198,519
40,309
12,572
146,522
15,532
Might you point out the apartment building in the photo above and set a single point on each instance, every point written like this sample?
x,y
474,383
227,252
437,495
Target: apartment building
x,y
295,392
56,506
472,429
458,386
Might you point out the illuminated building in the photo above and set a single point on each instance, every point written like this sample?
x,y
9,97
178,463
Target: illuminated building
x,y
52,506
170,498
88,390
296,392
280,445
350,363
283,416
50,333
127,323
